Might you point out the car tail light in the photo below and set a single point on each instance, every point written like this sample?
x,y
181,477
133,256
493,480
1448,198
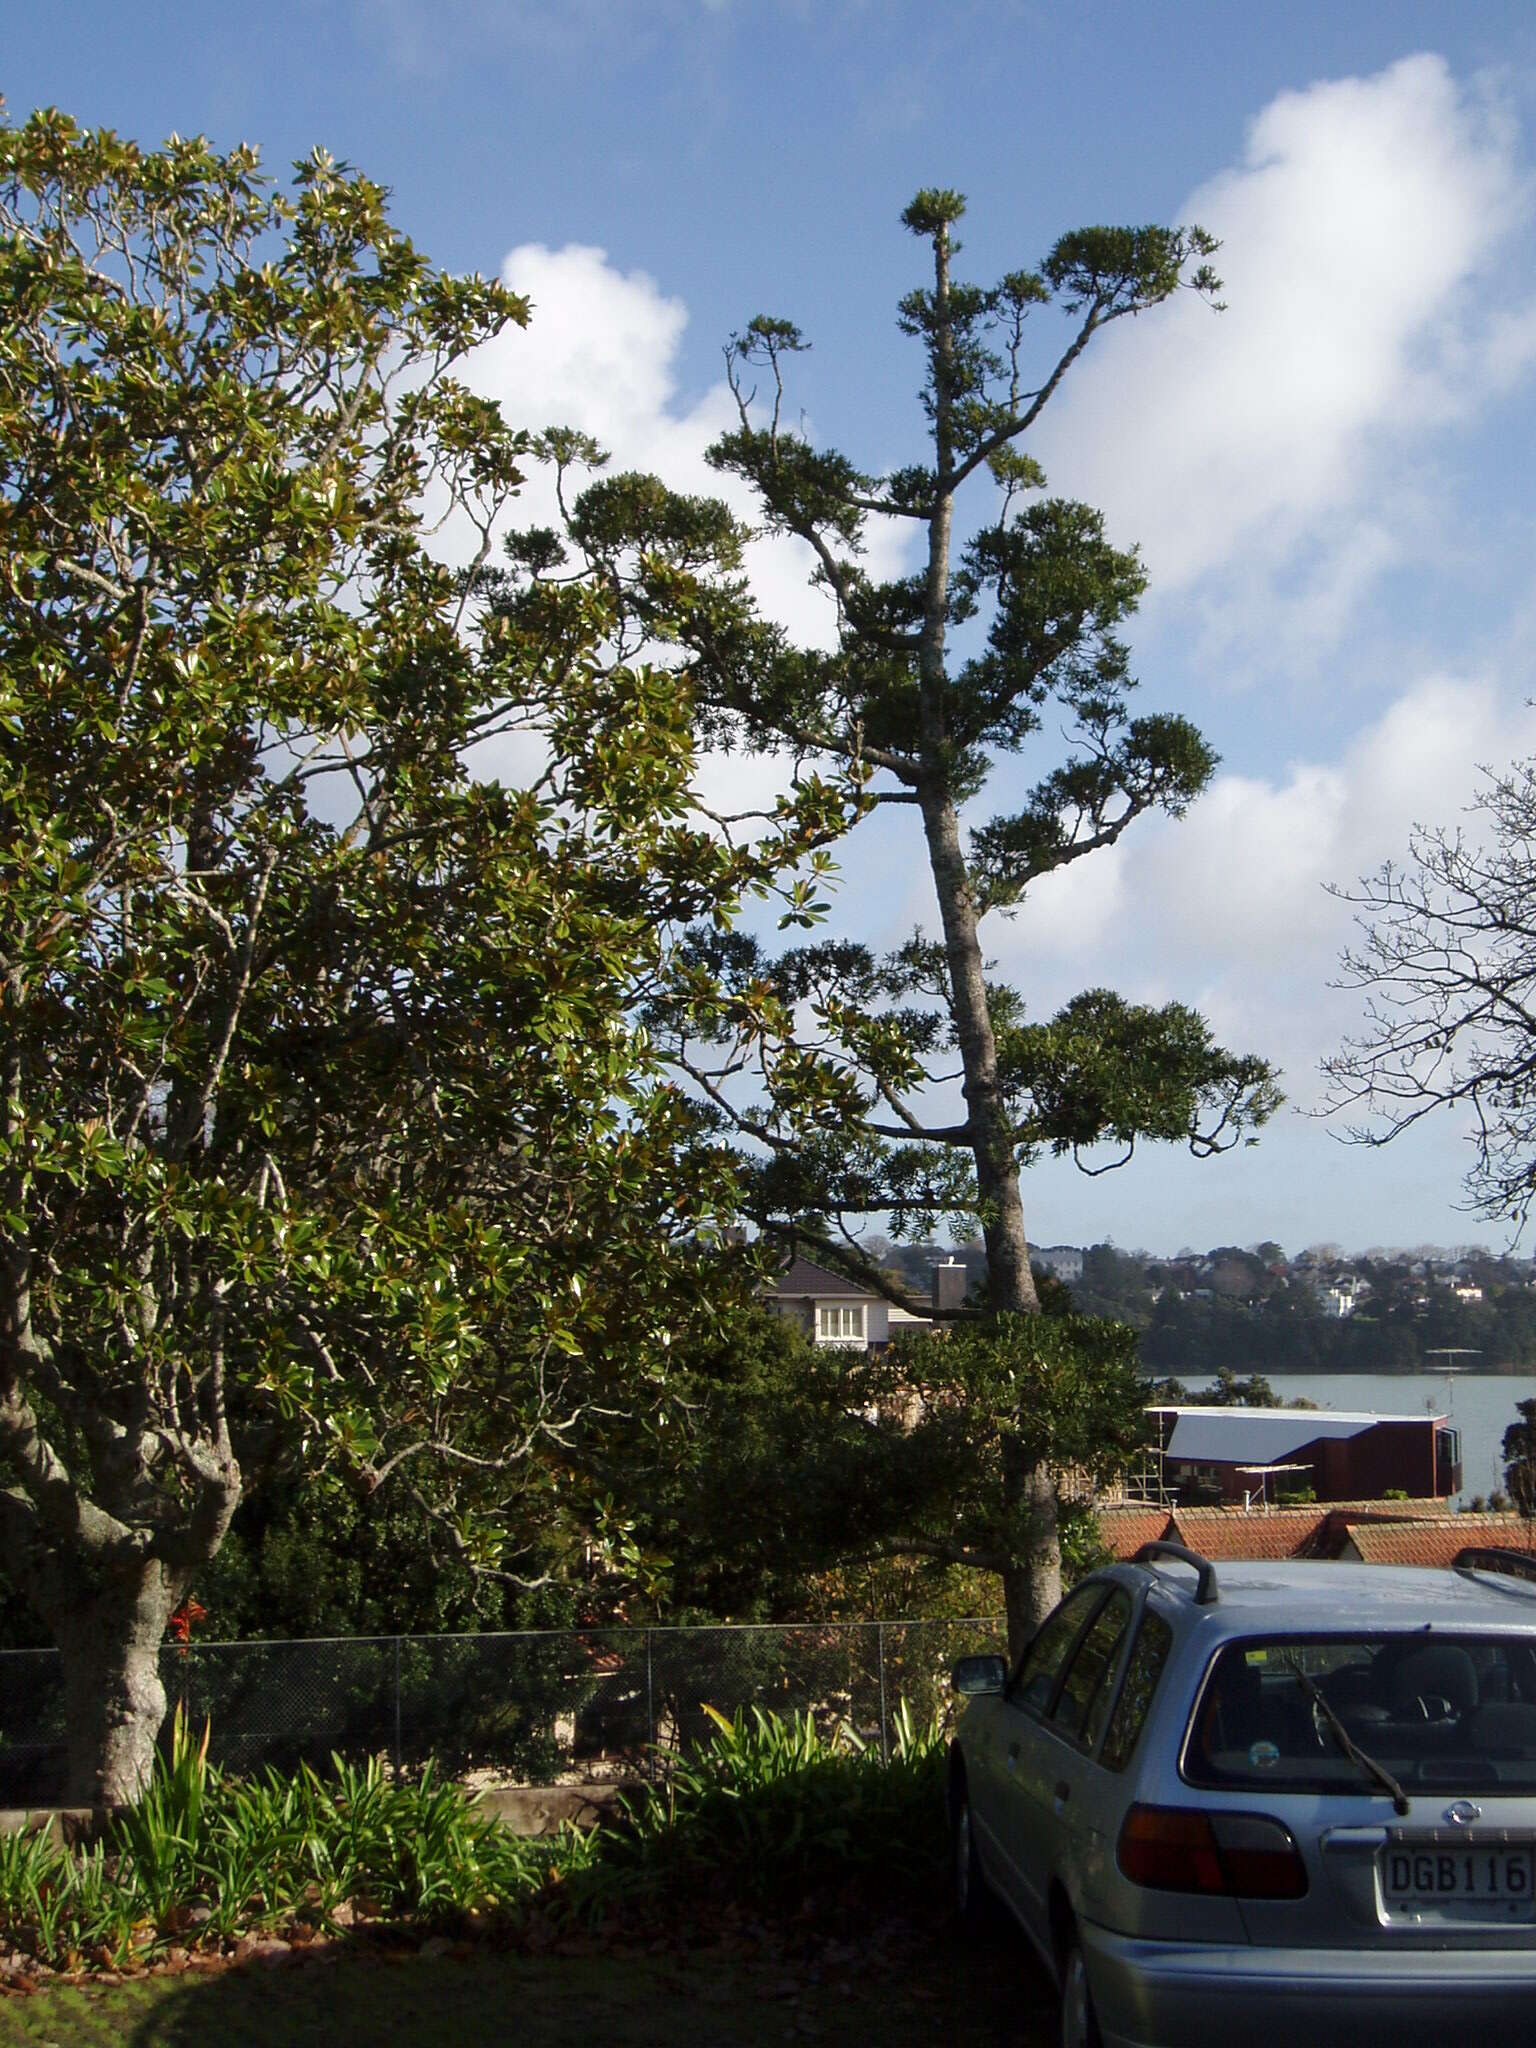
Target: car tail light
x,y
1239,1855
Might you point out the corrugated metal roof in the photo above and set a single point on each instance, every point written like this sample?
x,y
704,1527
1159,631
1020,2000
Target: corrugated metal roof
x,y
1334,1414
1257,1436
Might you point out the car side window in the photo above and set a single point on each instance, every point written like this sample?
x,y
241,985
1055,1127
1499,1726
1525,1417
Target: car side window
x,y
1149,1653
1035,1679
1088,1673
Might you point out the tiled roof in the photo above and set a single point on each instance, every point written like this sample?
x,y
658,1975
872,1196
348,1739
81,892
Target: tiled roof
x,y
1415,1510
1124,1530
1436,1543
1317,1530
802,1278
1225,1533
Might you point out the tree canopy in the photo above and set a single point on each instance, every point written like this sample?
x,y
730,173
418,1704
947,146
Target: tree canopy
x,y
1005,640
1446,961
325,1099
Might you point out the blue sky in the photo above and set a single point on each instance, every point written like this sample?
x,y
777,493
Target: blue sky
x,y
1330,482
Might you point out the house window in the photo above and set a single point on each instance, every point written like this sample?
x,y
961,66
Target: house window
x,y
842,1321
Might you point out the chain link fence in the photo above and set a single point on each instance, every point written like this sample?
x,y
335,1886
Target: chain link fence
x,y
532,1708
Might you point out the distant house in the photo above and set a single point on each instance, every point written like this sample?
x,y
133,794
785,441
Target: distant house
x,y
833,1310
1210,1454
828,1308
1338,1293
1064,1261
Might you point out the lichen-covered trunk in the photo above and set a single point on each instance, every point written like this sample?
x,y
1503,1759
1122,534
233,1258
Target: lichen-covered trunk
x,y
114,1700
1032,1580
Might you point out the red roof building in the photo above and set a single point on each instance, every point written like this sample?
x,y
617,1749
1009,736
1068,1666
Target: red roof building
x,y
1215,1454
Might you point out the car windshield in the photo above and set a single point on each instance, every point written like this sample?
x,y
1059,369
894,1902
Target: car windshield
x,y
1437,1712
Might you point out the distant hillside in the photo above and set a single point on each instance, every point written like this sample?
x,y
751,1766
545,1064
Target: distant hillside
x,y
1253,1310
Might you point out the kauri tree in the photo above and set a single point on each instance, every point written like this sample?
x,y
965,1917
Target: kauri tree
x,y
1004,642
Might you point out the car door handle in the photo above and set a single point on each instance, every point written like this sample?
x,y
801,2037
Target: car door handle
x,y
1063,1791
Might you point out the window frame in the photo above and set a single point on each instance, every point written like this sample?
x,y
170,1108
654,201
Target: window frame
x,y
841,1310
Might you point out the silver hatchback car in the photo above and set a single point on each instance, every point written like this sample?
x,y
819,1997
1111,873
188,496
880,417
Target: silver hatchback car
x,y
1297,1806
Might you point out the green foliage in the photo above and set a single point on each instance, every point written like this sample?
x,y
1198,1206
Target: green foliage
x,y
1105,1069
1066,1386
771,1810
828,1064
204,1857
767,1811
332,1139
1083,1549
1519,1449
951,1415
1229,1390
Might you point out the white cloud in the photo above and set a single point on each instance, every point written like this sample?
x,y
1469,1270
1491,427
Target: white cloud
x,y
1282,437
1229,909
600,354
1275,462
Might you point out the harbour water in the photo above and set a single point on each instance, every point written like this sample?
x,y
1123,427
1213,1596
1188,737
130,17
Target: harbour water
x,y
1480,1404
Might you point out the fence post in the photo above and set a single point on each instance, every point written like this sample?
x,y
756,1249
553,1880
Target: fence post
x,y
885,1726
650,1707
399,1746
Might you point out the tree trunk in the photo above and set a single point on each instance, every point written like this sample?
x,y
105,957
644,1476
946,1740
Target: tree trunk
x,y
114,1701
1032,1583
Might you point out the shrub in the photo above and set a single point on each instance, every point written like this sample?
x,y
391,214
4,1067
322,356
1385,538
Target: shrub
x,y
765,1812
770,1809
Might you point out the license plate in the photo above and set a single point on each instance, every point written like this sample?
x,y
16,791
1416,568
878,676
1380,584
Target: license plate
x,y
1490,1876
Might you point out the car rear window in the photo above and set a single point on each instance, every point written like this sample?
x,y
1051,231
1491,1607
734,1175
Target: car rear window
x,y
1439,1712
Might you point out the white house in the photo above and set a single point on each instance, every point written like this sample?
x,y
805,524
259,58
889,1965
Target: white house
x,y
828,1308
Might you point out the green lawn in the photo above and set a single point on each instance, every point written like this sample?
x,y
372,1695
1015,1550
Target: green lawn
x,y
896,1990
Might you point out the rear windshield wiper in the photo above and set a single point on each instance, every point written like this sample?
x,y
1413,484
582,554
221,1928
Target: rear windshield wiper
x,y
1341,1735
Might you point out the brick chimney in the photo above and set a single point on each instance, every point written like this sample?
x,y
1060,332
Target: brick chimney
x,y
950,1282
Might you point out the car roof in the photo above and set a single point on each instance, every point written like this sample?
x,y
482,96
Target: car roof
x,y
1336,1598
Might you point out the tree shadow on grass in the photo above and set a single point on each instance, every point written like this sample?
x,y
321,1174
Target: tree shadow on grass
x,y
923,1989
